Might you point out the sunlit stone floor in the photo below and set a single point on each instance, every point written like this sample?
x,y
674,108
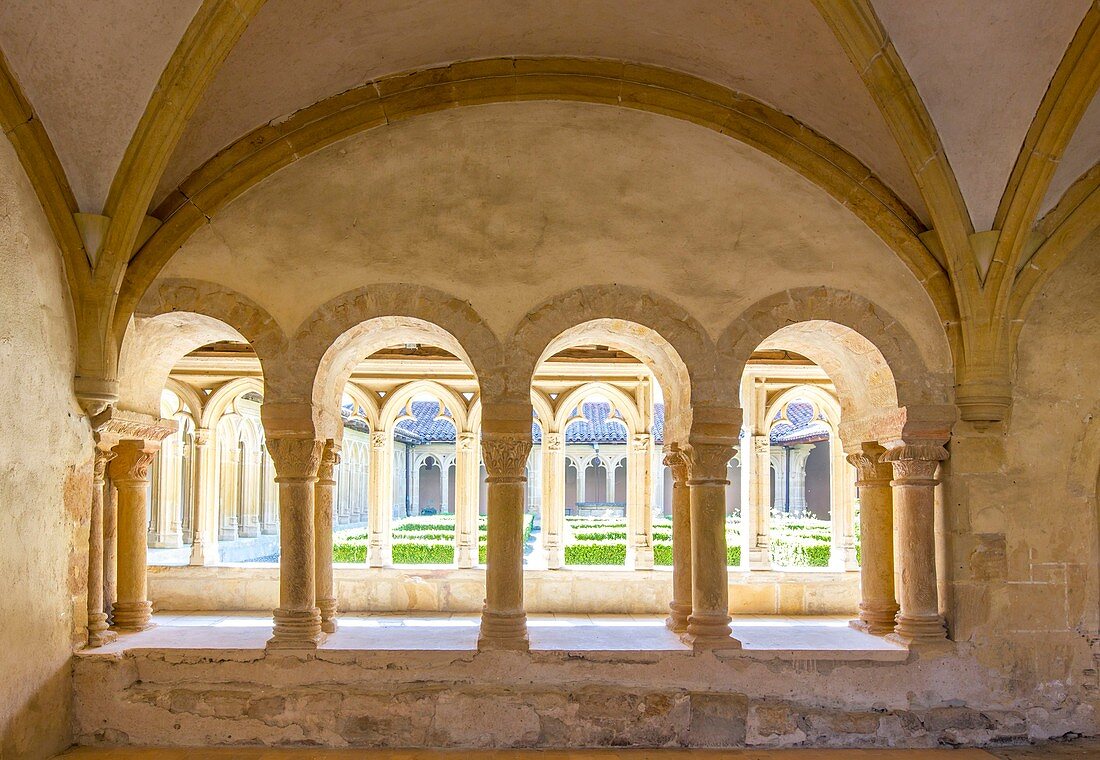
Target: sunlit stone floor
x,y
764,636
1087,750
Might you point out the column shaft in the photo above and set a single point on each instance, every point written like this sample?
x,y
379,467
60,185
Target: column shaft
x,y
110,547
680,606
203,540
465,507
503,620
130,474
877,606
98,633
639,515
297,620
914,491
380,518
708,624
553,498
324,497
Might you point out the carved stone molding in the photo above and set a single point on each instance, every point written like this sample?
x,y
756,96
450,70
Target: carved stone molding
x,y
708,463
116,424
677,461
131,462
915,463
295,458
330,457
505,455
871,470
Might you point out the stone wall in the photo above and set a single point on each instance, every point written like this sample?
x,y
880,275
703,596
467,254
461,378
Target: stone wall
x,y
44,479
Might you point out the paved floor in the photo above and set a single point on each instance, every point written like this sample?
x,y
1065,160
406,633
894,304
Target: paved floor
x,y
760,634
1075,751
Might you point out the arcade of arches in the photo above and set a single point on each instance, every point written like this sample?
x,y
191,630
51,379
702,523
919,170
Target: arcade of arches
x,y
716,373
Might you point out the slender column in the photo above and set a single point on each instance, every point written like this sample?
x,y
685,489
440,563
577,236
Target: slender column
x,y
708,624
503,620
204,539
164,529
227,489
130,474
297,620
444,486
380,552
755,504
110,547
779,492
639,517
466,532
324,495
414,485
582,469
269,521
914,491
98,632
680,607
799,454
877,606
842,555
609,481
553,498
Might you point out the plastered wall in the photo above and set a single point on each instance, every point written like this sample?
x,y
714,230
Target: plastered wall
x,y
44,479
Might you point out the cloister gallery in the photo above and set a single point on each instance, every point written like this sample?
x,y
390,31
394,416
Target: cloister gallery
x,y
485,374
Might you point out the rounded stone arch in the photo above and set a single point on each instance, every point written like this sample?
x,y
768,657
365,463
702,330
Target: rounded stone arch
x,y
544,409
397,401
337,335
663,335
176,317
620,400
874,362
223,398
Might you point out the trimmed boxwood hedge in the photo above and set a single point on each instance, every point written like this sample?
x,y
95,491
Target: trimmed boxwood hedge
x,y
792,551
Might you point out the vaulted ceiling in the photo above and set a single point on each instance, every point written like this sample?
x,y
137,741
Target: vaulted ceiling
x,y
980,66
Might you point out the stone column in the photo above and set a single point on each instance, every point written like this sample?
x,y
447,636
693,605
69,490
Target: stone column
x,y
914,491
324,496
639,517
842,555
229,462
164,529
877,606
756,504
130,474
297,620
110,547
379,551
799,454
251,470
466,467
98,631
609,480
680,607
204,515
269,521
708,624
779,492
582,468
503,620
553,498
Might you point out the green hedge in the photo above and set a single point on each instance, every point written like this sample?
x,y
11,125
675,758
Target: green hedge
x,y
423,552
350,551
596,553
796,552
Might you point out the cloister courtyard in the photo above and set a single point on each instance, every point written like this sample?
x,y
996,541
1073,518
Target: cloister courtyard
x,y
510,376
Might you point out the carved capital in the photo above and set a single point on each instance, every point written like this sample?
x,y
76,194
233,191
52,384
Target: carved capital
x,y
295,458
99,467
202,436
871,470
915,463
708,462
330,457
554,441
677,461
505,455
379,439
639,444
131,462
761,444
466,442
117,424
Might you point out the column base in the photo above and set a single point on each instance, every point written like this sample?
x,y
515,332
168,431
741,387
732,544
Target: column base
x,y
132,616
269,530
759,558
877,621
466,556
709,632
640,558
677,620
914,629
555,557
249,531
98,631
503,631
328,614
297,629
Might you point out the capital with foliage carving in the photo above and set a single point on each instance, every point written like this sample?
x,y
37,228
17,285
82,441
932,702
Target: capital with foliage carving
x,y
379,439
295,459
677,461
708,462
554,441
99,468
131,462
202,437
915,463
505,456
330,457
871,471
466,442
